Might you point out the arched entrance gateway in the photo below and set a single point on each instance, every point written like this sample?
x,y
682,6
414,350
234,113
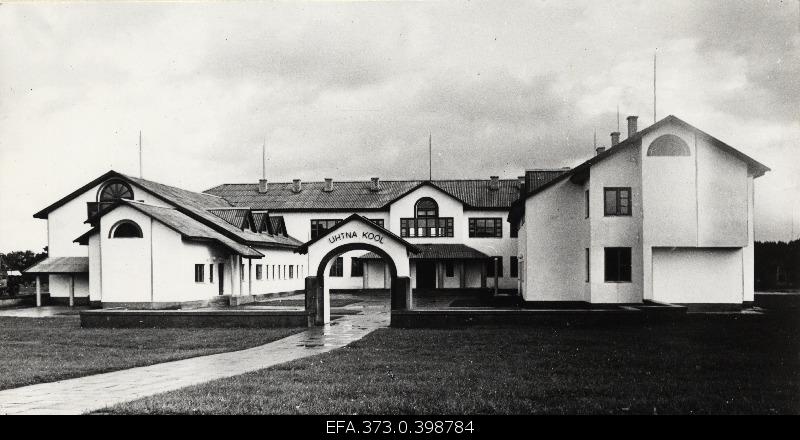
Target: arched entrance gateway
x,y
355,233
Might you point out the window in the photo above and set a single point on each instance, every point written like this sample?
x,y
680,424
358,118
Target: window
x,y
241,271
285,276
617,201
490,267
448,269
114,191
426,208
587,203
426,227
668,145
337,267
125,229
356,267
377,221
259,273
588,267
198,273
211,273
291,272
618,265
273,272
266,271
319,227
486,227
513,267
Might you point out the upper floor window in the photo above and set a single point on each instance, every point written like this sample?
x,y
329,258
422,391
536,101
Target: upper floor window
x,y
320,226
115,190
668,145
125,229
617,201
426,221
426,208
486,227
587,203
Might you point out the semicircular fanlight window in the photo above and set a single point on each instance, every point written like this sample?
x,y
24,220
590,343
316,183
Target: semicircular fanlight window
x,y
115,191
668,145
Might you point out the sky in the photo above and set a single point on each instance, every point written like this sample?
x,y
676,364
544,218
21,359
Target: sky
x,y
353,90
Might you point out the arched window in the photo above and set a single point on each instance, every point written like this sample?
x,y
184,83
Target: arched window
x,y
115,190
668,145
125,229
426,208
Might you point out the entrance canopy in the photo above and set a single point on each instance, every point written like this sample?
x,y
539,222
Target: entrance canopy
x,y
60,265
357,232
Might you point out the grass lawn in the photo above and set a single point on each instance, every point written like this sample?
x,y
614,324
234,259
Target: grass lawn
x,y
702,365
35,350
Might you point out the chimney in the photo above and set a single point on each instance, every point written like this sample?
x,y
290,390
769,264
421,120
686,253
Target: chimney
x,y
262,186
296,186
328,185
494,184
600,149
632,125
614,138
376,185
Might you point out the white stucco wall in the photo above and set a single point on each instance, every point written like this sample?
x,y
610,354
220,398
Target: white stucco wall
x,y
697,275
703,200
95,269
126,262
298,225
619,170
66,223
556,235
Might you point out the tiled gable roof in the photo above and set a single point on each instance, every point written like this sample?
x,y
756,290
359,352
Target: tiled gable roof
x,y
358,195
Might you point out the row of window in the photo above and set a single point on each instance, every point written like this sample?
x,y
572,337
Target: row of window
x,y
616,202
320,226
270,271
357,268
617,265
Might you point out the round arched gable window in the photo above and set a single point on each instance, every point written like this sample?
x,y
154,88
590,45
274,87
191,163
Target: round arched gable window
x,y
668,145
113,191
426,207
125,229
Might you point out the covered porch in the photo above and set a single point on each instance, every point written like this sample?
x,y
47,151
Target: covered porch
x,y
67,275
453,266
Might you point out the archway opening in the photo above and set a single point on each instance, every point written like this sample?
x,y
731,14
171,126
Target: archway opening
x,y
318,289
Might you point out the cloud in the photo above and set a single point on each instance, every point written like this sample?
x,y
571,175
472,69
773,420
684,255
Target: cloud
x,y
353,90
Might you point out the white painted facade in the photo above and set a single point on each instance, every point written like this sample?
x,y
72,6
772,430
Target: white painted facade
x,y
690,229
689,232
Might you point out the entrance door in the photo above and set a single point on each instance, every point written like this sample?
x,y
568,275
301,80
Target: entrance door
x,y
426,275
221,277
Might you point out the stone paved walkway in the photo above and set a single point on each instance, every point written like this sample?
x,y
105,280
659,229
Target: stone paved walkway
x,y
90,393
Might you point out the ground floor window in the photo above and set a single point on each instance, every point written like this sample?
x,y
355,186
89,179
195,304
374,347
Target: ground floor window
x,y
356,267
337,267
211,273
291,272
259,273
449,269
198,273
514,267
241,271
618,265
490,267
588,266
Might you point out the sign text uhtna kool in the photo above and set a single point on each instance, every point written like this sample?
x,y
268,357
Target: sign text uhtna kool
x,y
371,236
